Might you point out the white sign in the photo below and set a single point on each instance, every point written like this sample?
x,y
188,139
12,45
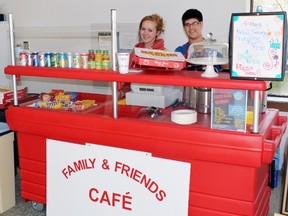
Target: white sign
x,y
97,180
127,40
105,42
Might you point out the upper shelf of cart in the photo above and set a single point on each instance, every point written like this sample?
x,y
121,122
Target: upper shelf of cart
x,y
149,76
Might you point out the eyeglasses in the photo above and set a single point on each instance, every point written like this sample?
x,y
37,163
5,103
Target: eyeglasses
x,y
194,24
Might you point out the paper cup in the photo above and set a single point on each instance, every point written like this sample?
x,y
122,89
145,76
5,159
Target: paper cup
x,y
123,62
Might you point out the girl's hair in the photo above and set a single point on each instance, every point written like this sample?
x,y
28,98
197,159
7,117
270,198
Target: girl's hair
x,y
158,19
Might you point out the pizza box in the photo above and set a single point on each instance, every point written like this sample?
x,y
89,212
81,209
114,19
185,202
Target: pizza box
x,y
159,58
6,95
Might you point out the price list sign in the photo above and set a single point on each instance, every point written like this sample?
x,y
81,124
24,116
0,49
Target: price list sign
x,y
229,109
258,45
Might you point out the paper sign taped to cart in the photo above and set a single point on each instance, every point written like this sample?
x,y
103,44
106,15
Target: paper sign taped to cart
x,y
97,180
229,109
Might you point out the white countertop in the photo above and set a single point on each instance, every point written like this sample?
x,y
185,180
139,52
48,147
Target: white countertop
x,y
277,99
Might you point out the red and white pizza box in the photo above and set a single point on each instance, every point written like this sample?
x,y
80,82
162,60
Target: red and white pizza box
x,y
6,95
159,58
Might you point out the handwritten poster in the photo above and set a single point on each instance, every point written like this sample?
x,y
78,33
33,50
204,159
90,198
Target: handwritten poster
x,y
258,46
229,109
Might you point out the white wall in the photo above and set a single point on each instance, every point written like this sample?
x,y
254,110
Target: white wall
x,y
65,25
5,55
86,12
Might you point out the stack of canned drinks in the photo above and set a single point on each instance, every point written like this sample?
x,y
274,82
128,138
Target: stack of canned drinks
x,y
63,60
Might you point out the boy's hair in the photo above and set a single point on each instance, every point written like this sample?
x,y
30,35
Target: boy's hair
x,y
192,13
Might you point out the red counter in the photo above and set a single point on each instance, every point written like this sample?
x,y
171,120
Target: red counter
x,y
229,170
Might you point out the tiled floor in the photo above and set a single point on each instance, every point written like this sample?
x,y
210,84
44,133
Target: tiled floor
x,y
276,197
22,208
26,209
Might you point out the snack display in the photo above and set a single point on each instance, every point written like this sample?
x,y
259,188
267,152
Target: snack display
x,y
59,99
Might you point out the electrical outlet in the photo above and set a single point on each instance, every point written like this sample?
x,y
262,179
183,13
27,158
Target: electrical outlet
x,y
104,34
26,45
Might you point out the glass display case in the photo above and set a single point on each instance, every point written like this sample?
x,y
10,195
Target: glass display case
x,y
208,53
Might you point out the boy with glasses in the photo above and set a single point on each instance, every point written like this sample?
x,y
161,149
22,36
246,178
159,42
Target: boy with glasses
x,y
192,21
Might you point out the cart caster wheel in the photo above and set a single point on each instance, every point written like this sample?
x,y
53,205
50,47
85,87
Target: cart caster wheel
x,y
38,206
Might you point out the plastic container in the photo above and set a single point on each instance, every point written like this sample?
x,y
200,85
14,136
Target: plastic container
x,y
203,100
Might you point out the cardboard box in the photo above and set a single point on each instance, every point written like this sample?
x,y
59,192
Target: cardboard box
x,y
6,95
7,174
159,58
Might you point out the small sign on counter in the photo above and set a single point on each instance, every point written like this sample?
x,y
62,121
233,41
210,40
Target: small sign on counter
x,y
228,109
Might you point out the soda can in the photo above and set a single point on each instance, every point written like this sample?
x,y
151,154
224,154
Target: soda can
x,y
41,58
35,60
48,59
23,58
76,60
84,60
62,60
29,59
69,60
54,59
